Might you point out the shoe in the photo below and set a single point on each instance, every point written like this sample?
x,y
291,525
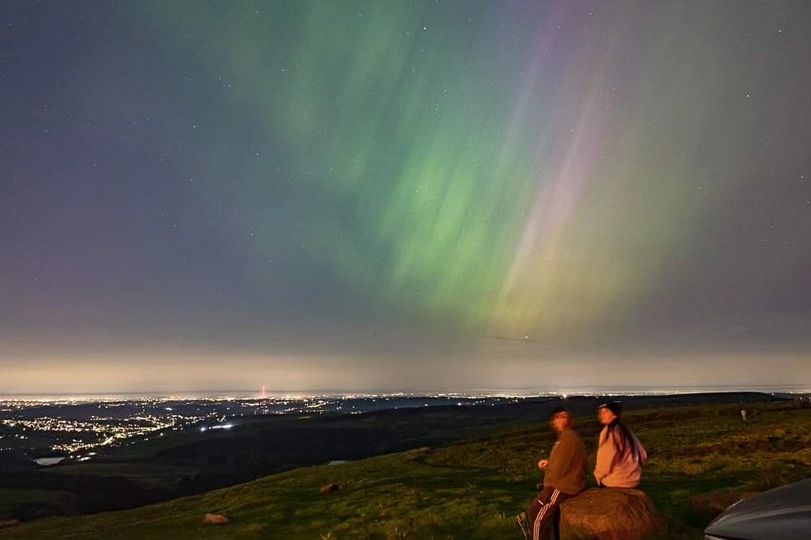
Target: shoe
x,y
523,521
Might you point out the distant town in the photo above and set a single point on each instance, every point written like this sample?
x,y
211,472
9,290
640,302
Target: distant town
x,y
51,431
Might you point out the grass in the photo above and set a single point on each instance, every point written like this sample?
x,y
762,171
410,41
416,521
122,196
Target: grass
x,y
12,498
472,489
144,475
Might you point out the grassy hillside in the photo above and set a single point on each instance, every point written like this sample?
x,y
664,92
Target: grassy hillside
x,y
471,489
187,462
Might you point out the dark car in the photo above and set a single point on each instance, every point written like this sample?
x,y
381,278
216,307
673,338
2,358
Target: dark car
x,y
783,513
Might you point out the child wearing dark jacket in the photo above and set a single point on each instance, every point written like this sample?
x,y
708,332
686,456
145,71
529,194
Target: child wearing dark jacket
x,y
564,477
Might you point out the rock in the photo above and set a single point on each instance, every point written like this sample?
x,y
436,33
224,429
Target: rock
x,y
8,523
216,519
609,514
330,488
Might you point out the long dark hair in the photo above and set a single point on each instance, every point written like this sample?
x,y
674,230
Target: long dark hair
x,y
623,438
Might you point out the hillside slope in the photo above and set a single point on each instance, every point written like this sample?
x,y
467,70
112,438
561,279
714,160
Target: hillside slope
x,y
473,488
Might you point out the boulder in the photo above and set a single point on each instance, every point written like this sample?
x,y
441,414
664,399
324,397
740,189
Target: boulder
x,y
330,488
610,514
216,519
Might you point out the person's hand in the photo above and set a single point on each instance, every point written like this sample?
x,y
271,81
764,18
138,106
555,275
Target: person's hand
x,y
543,464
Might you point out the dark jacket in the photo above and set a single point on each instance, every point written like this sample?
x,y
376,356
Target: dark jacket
x,y
567,464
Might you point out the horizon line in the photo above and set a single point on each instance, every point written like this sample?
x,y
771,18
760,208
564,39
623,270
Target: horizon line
x,y
470,392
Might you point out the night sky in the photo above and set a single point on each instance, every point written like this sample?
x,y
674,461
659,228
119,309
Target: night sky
x,y
439,195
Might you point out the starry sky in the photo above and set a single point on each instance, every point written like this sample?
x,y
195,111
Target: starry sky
x,y
404,195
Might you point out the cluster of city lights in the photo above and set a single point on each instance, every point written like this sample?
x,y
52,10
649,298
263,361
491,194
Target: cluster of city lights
x,y
75,427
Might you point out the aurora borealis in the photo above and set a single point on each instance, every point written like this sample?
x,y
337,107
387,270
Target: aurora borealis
x,y
404,195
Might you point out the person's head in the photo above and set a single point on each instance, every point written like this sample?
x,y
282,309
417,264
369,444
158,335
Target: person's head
x,y
560,419
608,412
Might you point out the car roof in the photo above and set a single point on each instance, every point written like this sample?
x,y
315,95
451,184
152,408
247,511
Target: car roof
x,y
783,512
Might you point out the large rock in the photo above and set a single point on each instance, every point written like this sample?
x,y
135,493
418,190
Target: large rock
x,y
8,523
610,514
216,519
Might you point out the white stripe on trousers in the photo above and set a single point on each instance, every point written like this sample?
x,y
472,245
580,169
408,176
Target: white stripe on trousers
x,y
536,530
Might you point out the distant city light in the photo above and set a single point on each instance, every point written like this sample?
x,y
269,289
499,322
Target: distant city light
x,y
110,423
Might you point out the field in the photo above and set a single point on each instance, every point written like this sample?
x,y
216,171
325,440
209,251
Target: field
x,y
701,459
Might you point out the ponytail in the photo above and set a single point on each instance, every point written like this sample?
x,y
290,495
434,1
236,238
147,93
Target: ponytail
x,y
623,439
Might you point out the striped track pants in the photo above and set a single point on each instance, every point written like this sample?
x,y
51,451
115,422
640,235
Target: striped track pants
x,y
544,511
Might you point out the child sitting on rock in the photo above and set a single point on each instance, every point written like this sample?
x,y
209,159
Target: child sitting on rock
x,y
620,455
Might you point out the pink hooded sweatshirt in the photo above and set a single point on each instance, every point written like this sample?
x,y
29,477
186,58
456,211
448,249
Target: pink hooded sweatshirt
x,y
618,471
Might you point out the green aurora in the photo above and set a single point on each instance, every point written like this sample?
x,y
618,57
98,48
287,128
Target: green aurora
x,y
566,174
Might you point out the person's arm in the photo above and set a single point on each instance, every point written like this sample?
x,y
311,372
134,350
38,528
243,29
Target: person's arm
x,y
606,451
643,454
